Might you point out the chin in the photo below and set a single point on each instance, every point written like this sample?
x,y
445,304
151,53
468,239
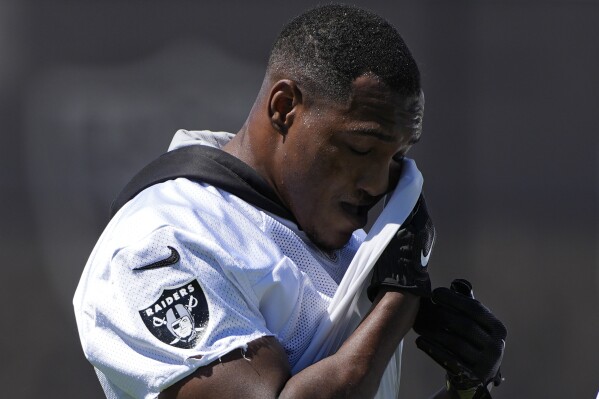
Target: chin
x,y
329,241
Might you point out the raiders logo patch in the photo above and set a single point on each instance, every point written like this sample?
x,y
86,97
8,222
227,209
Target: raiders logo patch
x,y
179,317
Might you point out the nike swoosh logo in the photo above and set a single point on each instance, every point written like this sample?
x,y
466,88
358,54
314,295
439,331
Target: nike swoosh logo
x,y
171,260
424,259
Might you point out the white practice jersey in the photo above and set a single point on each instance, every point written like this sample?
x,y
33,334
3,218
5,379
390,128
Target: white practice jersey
x,y
187,272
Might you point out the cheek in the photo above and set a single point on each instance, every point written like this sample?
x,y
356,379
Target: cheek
x,y
327,173
314,184
310,163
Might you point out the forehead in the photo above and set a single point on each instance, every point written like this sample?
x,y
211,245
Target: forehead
x,y
373,101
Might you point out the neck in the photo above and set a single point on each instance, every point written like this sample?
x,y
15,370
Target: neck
x,y
253,145
257,140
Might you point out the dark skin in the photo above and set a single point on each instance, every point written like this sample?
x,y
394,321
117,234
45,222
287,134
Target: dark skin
x,y
329,163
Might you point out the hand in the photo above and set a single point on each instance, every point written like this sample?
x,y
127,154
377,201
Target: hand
x,y
403,265
461,335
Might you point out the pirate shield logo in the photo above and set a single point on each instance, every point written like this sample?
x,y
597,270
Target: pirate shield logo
x,y
179,317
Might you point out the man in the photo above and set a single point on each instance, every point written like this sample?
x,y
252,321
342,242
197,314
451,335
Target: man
x,y
214,286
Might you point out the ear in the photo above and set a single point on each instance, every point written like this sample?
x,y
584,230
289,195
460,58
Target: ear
x,y
285,97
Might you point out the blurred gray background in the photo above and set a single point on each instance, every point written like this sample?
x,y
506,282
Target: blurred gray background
x,y
90,91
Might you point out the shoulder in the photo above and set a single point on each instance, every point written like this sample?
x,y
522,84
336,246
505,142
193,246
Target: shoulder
x,y
207,228
185,204
171,280
197,213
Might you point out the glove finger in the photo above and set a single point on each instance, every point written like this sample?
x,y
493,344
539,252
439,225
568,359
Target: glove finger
x,y
461,349
444,358
458,328
432,318
467,330
471,307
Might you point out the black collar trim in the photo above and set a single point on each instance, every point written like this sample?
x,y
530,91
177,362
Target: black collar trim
x,y
209,165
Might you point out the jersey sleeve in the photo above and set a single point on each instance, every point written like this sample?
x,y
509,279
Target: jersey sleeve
x,y
163,306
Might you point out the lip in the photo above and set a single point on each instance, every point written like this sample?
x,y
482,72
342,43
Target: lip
x,y
357,214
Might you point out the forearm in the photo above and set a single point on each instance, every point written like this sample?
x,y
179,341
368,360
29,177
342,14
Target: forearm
x,y
355,370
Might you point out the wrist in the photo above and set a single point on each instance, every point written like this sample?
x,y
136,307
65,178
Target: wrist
x,y
420,287
390,296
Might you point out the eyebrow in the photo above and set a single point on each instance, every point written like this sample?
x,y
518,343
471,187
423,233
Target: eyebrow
x,y
372,133
381,136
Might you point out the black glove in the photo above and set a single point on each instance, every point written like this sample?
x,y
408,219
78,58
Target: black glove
x,y
463,337
403,265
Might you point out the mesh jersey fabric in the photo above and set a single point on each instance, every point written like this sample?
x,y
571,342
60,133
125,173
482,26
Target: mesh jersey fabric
x,y
260,276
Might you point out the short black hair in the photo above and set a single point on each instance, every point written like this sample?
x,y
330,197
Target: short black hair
x,y
326,48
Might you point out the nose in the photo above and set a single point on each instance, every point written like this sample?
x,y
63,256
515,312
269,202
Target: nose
x,y
375,179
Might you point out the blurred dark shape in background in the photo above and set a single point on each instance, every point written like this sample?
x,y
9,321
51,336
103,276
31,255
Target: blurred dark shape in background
x,y
90,91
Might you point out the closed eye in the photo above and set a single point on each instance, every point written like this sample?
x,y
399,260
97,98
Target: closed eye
x,y
359,151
